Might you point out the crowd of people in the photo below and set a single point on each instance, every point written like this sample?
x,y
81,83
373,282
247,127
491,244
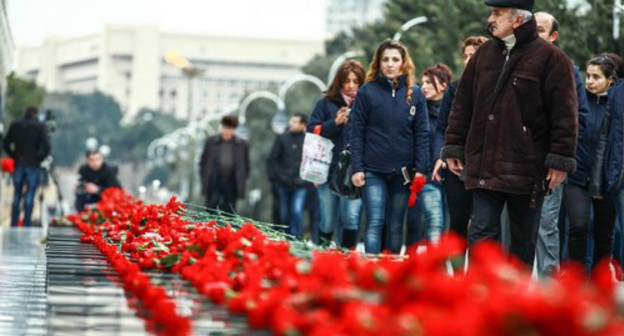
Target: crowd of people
x,y
27,144
520,148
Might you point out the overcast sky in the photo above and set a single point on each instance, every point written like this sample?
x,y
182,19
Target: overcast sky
x,y
34,20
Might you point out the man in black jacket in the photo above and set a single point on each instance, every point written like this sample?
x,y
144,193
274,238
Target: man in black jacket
x,y
283,167
28,144
224,167
95,177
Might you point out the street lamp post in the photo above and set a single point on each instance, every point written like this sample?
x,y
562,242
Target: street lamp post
x,y
242,130
190,72
189,147
204,127
618,9
407,25
339,60
280,119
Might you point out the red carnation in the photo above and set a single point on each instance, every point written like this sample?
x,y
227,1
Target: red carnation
x,y
8,165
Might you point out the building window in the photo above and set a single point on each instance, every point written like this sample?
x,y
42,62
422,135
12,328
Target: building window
x,y
173,93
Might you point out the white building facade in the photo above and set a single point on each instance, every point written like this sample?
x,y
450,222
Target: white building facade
x,y
127,62
343,15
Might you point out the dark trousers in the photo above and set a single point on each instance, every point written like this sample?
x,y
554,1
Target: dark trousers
x,y
83,199
524,221
223,195
459,202
577,202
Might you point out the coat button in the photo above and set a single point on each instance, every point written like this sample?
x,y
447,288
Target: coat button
x,y
482,182
491,117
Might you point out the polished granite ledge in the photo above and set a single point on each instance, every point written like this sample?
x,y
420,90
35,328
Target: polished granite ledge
x,y
65,287
23,300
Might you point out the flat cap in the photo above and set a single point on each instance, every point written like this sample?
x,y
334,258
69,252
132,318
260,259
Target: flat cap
x,y
519,4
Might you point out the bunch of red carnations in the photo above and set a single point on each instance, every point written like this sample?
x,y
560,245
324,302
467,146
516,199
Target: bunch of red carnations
x,y
425,292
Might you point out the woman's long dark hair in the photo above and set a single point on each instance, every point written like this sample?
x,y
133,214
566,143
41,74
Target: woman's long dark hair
x,y
333,92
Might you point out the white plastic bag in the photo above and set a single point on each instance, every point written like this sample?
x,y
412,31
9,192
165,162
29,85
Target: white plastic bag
x,y
316,158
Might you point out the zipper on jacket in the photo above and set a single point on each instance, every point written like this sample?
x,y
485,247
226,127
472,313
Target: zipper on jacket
x,y
393,93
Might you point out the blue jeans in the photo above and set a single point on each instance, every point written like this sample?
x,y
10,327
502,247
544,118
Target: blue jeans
x,y
292,203
335,209
30,177
430,203
385,200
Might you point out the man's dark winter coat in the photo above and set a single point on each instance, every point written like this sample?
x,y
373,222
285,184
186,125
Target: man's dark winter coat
x,y
209,167
512,120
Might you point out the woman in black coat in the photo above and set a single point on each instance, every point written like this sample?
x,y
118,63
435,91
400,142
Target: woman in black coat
x,y
331,114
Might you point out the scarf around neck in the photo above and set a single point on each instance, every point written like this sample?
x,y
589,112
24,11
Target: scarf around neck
x,y
348,98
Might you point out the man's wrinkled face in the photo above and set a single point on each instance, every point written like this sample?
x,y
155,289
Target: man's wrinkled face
x,y
502,22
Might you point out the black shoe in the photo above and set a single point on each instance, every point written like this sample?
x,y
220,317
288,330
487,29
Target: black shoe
x,y
349,239
325,238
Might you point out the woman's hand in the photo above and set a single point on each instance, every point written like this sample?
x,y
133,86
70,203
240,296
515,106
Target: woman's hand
x,y
342,116
439,165
358,179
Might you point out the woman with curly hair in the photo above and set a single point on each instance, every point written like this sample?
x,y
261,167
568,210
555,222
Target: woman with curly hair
x,y
389,143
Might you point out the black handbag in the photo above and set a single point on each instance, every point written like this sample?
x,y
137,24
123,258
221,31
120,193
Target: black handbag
x,y
340,182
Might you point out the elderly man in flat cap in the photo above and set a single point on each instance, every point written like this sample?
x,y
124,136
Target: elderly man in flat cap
x,y
513,126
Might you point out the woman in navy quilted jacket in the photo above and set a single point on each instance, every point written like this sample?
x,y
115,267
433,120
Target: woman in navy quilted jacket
x,y
389,143
331,113
585,187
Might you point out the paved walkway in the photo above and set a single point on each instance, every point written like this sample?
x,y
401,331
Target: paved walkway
x,y
23,304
